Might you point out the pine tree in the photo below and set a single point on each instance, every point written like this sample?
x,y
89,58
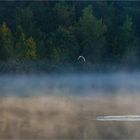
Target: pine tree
x,y
24,18
127,31
63,44
91,35
129,42
64,14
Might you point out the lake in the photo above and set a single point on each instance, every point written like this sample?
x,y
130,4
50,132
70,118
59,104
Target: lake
x,y
70,84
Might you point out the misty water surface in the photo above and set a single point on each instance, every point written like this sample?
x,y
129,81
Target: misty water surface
x,y
70,84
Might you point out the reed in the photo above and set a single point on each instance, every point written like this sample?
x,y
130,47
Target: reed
x,y
62,117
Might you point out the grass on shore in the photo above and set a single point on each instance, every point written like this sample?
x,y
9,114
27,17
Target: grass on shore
x,y
67,117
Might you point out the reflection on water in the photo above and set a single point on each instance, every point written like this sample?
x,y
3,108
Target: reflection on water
x,y
97,117
70,84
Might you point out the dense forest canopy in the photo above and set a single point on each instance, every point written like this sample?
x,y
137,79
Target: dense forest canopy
x,y
60,31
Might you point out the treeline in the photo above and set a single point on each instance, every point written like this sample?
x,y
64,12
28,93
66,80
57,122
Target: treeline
x,y
60,31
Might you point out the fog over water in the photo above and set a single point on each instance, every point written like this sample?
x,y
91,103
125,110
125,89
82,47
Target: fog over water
x,y
70,84
79,106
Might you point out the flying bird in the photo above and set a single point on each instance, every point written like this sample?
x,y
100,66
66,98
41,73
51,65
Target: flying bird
x,y
81,58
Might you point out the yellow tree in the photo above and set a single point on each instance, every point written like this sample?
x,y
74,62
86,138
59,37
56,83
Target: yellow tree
x,y
30,52
6,42
25,46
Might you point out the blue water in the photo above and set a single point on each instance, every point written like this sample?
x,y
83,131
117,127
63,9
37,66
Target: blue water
x,y
70,84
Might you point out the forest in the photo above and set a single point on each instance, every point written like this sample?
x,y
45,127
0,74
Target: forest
x,y
57,32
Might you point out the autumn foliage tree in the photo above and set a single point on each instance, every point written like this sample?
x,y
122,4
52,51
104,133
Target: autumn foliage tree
x,y
6,42
104,32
